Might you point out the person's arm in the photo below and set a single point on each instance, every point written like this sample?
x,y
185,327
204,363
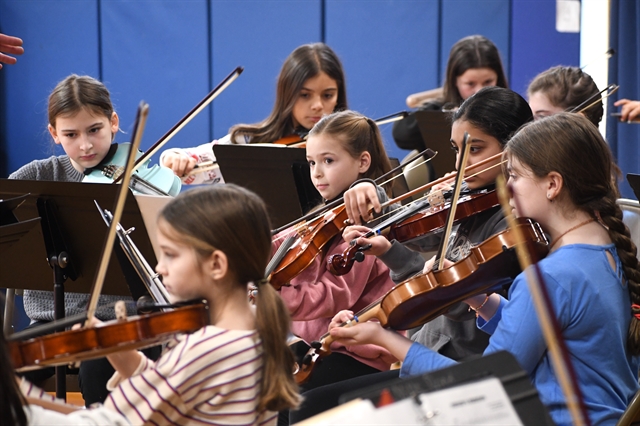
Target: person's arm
x,y
9,46
630,109
317,293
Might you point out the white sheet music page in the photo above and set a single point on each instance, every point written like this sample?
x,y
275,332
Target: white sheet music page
x,y
479,403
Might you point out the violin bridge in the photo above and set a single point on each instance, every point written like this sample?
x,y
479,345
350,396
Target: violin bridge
x,y
436,199
121,310
113,172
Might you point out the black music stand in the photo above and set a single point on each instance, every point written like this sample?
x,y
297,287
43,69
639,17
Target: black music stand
x,y
279,175
435,128
501,365
77,222
69,241
634,182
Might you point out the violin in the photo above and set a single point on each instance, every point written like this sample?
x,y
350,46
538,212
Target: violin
x,y
312,238
425,222
113,336
294,140
487,268
155,180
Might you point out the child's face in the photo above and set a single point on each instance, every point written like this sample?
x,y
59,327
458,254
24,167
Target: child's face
x,y
474,79
182,274
333,169
528,191
318,97
85,137
542,106
482,146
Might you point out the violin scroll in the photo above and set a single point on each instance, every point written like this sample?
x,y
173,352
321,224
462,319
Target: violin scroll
x,y
341,264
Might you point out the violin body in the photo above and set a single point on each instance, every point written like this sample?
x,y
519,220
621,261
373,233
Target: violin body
x,y
95,342
154,180
294,140
489,266
304,250
435,217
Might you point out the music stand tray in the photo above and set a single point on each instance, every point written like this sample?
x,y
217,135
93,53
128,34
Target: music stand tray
x,y
501,365
279,175
435,128
24,264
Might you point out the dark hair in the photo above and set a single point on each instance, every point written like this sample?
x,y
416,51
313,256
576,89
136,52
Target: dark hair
x,y
469,53
567,88
306,62
357,134
572,146
11,401
75,93
496,111
234,220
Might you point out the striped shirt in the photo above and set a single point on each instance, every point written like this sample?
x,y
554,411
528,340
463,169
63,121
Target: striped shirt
x,y
209,377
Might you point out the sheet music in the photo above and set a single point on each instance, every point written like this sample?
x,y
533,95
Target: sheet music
x,y
480,403
150,207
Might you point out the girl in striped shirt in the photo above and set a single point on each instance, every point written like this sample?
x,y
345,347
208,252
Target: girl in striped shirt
x,y
214,241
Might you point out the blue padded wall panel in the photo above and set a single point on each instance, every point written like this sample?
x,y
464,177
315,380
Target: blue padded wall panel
x,y
490,18
389,50
60,38
157,51
258,35
535,43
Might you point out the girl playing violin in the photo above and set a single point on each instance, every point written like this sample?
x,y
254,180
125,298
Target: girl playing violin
x,y
311,84
490,116
474,62
560,175
83,121
214,242
341,149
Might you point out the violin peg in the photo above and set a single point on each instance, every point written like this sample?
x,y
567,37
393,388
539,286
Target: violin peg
x,y
316,344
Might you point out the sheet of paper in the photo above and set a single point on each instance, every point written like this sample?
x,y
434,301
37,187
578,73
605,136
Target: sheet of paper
x,y
150,206
479,403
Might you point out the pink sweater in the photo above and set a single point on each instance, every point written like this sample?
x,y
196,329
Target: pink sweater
x,y
316,295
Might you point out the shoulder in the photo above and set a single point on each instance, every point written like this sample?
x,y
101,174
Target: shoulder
x,y
218,341
47,169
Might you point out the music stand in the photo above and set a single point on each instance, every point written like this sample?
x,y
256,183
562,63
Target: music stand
x,y
501,365
435,128
74,218
634,182
279,175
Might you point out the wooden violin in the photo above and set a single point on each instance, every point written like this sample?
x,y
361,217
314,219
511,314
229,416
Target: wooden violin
x,y
488,267
425,222
312,238
113,336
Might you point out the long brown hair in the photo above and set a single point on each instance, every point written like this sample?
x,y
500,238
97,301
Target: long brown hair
x,y
357,134
572,146
306,62
568,87
234,220
468,53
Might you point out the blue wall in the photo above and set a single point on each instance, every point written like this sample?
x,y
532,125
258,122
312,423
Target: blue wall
x,y
171,53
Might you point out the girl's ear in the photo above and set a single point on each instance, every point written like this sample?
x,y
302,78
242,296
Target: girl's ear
x,y
115,125
54,133
554,183
365,162
217,265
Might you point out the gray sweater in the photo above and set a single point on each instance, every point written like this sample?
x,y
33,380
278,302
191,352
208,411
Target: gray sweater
x,y
38,305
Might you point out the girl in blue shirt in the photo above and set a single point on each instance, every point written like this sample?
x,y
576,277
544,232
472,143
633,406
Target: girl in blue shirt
x,y
560,173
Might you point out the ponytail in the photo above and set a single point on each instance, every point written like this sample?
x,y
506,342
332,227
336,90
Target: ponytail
x,y
279,390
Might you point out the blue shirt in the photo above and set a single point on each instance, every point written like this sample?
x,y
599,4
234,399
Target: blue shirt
x,y
591,302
